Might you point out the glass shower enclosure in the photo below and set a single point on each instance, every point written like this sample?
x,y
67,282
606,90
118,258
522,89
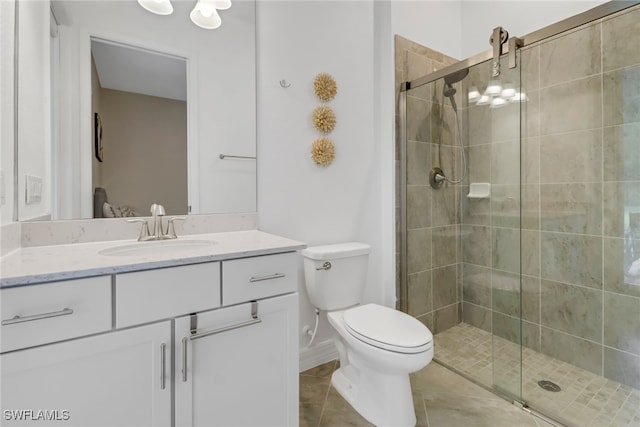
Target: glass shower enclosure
x,y
519,216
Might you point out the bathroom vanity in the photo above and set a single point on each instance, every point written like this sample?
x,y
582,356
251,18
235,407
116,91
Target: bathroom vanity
x,y
117,333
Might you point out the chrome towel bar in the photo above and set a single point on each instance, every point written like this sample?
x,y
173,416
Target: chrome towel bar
x,y
224,156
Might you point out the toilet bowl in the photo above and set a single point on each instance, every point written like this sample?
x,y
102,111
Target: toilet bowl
x,y
378,346
374,378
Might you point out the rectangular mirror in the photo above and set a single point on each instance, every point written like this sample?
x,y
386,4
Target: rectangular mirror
x,y
94,126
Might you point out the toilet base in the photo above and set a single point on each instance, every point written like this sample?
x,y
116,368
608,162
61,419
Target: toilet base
x,y
384,400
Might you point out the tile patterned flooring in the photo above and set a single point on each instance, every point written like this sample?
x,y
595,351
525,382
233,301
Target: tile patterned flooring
x,y
441,399
586,399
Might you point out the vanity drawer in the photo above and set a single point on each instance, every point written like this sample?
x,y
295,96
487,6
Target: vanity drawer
x,y
250,279
146,296
55,311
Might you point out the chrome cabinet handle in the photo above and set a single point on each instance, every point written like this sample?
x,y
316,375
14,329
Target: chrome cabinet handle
x,y
20,319
185,343
225,329
254,320
269,277
163,362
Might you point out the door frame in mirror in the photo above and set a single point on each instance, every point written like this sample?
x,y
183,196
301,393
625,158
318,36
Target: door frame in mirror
x,y
85,126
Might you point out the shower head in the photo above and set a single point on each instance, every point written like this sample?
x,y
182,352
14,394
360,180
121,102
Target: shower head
x,y
449,90
455,77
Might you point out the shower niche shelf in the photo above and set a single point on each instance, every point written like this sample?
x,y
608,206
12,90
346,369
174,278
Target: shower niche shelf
x,y
480,190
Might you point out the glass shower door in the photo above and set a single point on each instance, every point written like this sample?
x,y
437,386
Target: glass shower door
x,y
491,224
461,241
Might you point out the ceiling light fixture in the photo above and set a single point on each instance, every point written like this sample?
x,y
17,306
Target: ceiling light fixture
x,y
159,7
204,14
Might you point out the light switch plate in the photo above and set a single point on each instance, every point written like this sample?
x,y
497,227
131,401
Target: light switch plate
x,y
33,189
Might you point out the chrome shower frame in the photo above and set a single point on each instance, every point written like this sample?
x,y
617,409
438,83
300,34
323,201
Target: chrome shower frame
x,y
559,27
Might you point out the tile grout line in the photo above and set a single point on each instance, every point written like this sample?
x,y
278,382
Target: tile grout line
x,y
326,396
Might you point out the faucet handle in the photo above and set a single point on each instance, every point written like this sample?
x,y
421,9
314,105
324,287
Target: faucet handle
x,y
171,232
144,229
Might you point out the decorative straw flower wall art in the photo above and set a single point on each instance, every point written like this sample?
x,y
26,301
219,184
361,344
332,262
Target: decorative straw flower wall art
x,y
324,120
325,87
322,151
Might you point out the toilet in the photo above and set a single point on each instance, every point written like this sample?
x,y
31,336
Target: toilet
x,y
378,346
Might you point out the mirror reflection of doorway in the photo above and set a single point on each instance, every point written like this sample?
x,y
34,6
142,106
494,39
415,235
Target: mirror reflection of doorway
x,y
141,99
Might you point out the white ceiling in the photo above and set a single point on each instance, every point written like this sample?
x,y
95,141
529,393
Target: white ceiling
x,y
132,69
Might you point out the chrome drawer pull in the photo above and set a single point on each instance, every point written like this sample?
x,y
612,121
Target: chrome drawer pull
x,y
20,319
185,342
269,277
254,320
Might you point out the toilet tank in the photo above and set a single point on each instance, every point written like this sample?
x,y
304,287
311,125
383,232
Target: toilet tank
x,y
335,275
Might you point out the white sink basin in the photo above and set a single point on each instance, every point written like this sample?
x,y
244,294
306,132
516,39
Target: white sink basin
x,y
157,247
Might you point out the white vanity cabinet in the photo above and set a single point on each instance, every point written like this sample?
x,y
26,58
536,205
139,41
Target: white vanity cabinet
x,y
239,368
120,378
206,344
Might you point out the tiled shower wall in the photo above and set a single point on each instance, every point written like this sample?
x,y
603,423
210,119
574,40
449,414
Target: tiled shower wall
x,y
433,217
580,194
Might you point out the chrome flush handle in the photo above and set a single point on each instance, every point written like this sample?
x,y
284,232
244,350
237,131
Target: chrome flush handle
x,y
325,266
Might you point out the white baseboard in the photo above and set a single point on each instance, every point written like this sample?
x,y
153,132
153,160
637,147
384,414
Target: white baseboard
x,y
320,353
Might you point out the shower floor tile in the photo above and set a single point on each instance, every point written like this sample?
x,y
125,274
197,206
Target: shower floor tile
x,y
586,399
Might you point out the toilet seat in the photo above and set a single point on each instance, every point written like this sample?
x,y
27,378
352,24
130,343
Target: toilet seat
x,y
387,329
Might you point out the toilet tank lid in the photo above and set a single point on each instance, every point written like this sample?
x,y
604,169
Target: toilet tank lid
x,y
340,250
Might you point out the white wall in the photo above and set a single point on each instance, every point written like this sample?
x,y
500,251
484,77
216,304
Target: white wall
x,y
34,106
297,199
434,24
7,13
145,155
519,18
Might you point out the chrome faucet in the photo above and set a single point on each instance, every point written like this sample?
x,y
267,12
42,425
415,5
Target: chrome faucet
x,y
157,212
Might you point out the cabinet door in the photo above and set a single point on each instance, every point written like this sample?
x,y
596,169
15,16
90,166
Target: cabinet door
x,y
239,372
116,379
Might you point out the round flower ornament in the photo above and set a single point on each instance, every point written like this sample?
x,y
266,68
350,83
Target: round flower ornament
x,y
323,152
325,87
324,119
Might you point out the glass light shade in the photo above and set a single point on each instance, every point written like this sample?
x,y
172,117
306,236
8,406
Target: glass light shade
x,y
474,94
508,92
498,102
484,100
519,97
220,4
159,7
494,88
204,15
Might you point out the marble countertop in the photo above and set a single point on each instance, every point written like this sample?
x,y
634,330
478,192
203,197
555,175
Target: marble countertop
x,y
41,264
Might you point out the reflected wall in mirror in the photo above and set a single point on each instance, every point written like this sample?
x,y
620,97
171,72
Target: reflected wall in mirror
x,y
56,133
